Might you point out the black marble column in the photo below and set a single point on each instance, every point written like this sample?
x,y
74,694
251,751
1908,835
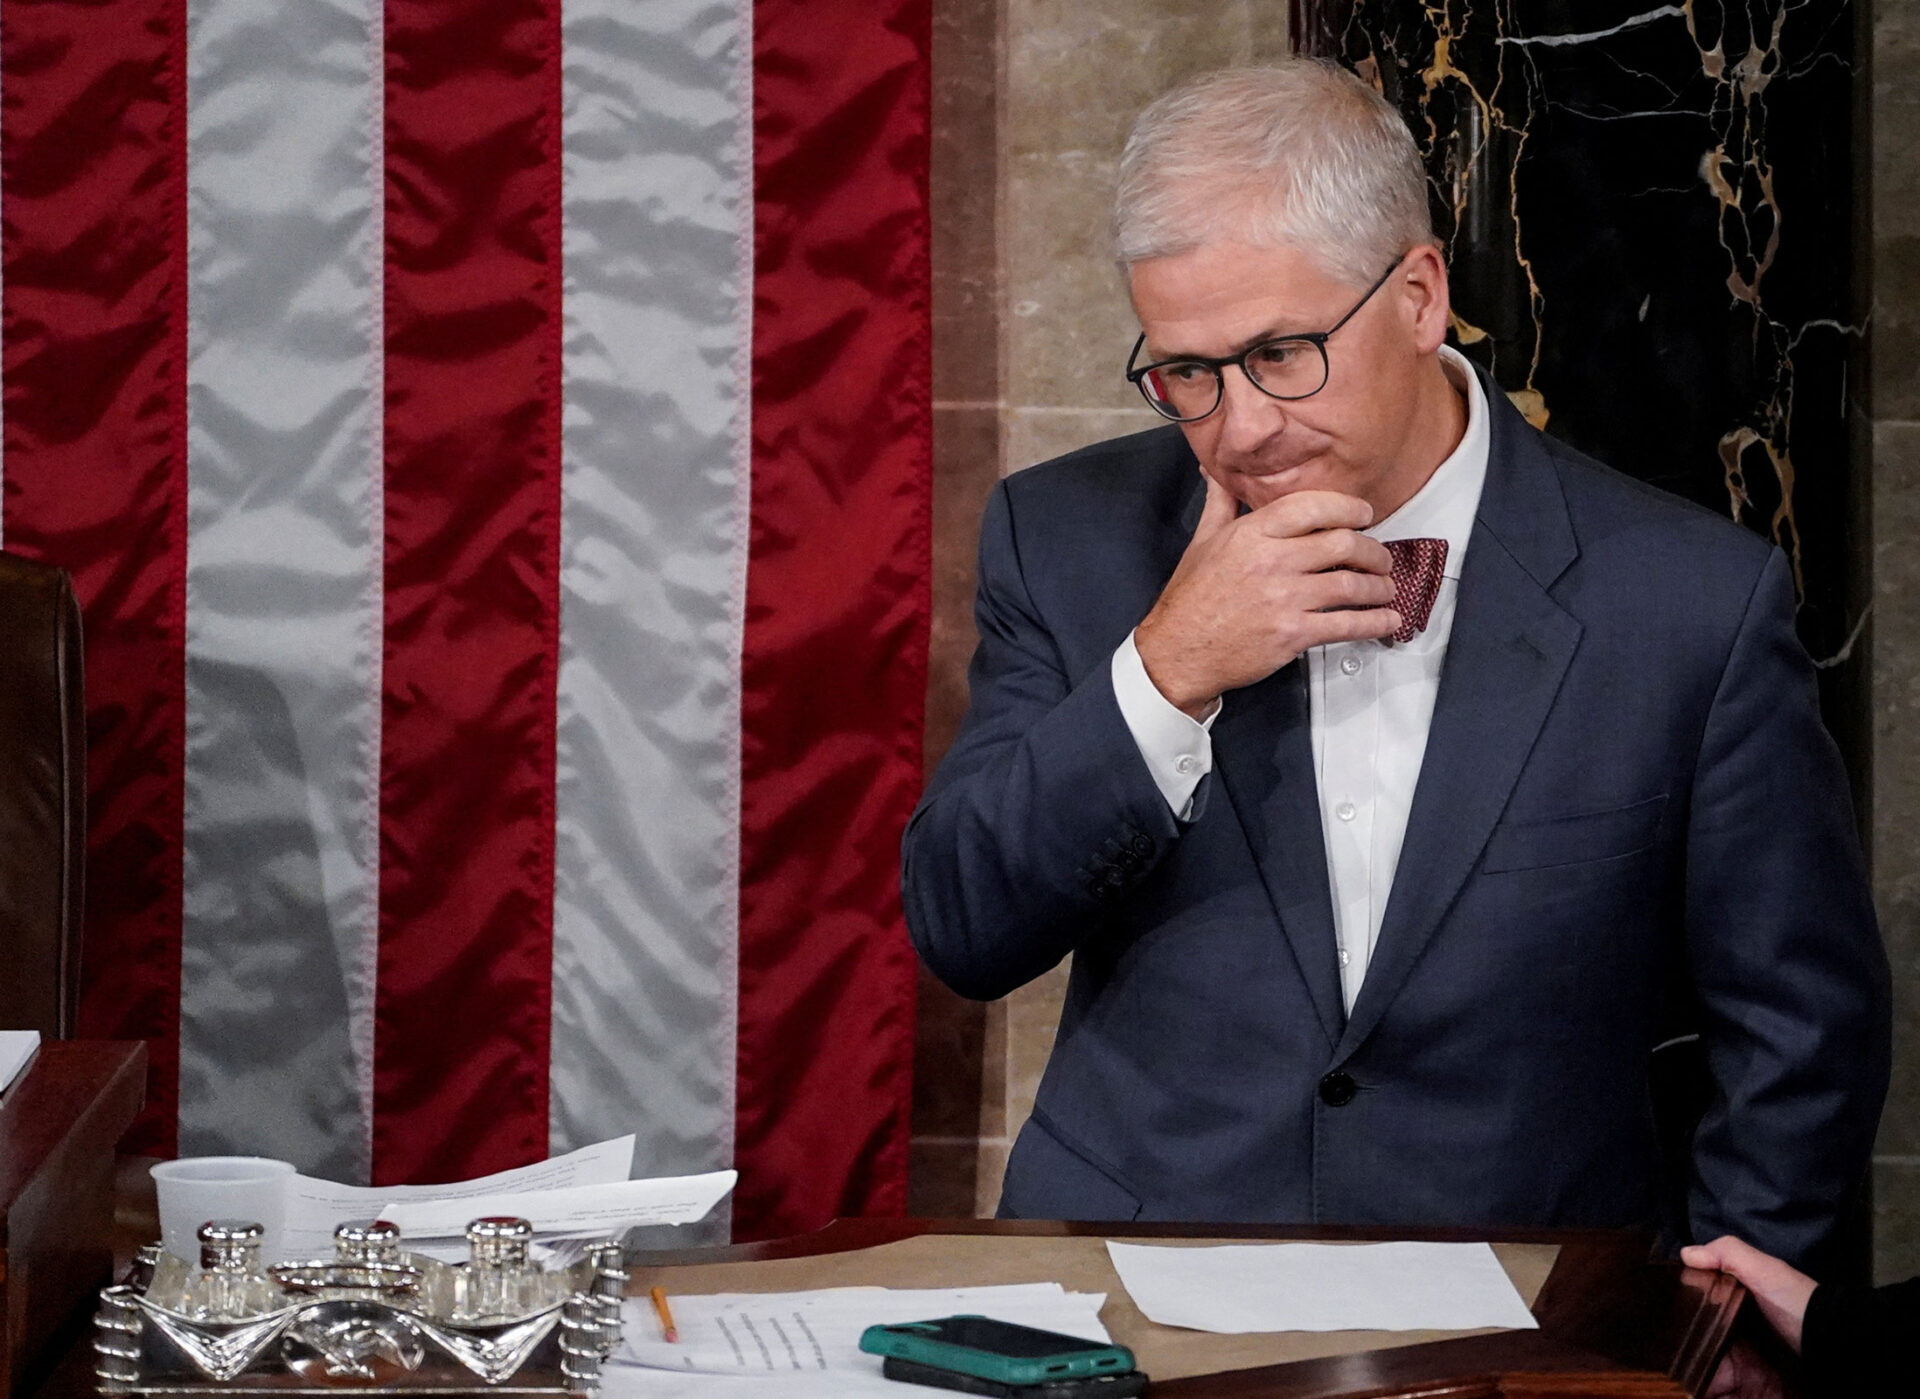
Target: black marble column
x,y
1649,211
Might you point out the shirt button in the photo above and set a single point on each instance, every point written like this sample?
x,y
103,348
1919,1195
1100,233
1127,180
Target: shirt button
x,y
1350,665
1183,764
1345,811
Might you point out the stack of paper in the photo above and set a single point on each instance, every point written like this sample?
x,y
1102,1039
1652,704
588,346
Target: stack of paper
x,y
584,1194
732,1343
1321,1287
579,1212
17,1048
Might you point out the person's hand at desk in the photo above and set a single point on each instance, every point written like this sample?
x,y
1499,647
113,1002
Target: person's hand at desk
x,y
1844,1335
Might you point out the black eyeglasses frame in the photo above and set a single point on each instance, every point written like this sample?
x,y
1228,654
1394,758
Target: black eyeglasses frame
x,y
1317,338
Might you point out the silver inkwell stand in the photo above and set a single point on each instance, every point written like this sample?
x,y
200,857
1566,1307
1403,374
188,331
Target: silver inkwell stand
x,y
374,1318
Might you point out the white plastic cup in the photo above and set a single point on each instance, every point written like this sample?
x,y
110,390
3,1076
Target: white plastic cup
x,y
196,1189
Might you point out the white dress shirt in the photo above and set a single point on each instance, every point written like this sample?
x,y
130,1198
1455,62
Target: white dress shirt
x,y
1370,704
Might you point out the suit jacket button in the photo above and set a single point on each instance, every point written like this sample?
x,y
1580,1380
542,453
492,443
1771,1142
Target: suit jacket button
x,y
1337,1090
1142,845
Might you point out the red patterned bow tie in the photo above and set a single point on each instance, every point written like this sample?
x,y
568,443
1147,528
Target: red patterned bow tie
x,y
1417,566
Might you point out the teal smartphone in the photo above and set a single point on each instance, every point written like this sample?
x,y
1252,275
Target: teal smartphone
x,y
995,1350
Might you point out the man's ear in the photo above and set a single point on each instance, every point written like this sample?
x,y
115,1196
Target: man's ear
x,y
1423,285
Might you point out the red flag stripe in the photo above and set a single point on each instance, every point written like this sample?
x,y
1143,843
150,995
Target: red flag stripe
x,y
93,152
834,668
472,604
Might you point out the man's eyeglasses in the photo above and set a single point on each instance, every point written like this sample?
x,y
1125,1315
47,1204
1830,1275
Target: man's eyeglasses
x,y
1286,367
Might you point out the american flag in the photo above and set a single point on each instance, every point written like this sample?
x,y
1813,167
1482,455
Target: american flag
x,y
490,440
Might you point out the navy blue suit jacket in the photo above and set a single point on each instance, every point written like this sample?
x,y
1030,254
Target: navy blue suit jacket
x,y
1626,778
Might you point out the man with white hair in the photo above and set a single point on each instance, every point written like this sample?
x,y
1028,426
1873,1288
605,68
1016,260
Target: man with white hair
x,y
1381,762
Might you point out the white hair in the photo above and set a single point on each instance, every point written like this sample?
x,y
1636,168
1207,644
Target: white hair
x,y
1300,153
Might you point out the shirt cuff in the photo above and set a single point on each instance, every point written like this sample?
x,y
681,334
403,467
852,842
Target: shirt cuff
x,y
1178,750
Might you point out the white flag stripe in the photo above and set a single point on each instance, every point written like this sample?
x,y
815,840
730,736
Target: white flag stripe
x,y
284,567
658,251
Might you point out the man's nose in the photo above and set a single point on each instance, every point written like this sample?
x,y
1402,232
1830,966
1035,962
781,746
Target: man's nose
x,y
1248,417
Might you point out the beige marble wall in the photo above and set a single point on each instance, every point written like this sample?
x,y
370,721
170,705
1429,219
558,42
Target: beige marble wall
x,y
1894,348
1032,100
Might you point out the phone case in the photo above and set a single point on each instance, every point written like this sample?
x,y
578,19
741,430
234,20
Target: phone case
x,y
995,1350
1121,1386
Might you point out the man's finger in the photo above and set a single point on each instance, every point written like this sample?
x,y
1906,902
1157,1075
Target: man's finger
x,y
1727,1253
1343,548
1303,512
1712,1257
1702,1256
1351,624
1726,1380
1343,588
1218,512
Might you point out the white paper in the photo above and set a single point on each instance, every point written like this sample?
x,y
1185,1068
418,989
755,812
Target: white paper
x,y
806,1345
314,1207
1239,1288
17,1048
572,1213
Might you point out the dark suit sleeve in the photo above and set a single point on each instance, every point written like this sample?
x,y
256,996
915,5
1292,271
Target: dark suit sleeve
x,y
1043,813
1783,948
1858,1340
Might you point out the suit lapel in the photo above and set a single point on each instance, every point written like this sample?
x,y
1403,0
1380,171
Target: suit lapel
x,y
1509,650
1263,755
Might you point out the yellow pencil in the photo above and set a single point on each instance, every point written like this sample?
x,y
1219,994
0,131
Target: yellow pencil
x,y
667,1329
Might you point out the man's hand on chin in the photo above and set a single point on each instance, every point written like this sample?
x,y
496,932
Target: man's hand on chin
x,y
1253,591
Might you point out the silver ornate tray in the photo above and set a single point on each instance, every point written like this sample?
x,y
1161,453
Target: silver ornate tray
x,y
331,1335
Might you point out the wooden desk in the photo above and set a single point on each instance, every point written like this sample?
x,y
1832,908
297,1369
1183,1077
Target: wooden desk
x,y
1612,1323
58,1126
